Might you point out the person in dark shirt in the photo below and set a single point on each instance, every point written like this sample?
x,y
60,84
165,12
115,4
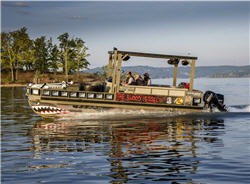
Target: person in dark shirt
x,y
139,80
147,79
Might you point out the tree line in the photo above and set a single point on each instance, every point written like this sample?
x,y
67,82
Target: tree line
x,y
20,52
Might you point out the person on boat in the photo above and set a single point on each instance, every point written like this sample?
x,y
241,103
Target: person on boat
x,y
130,80
139,80
147,79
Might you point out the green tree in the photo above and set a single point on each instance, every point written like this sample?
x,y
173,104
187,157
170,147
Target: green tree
x,y
23,50
29,57
15,47
80,55
105,71
41,55
5,57
72,53
65,51
18,51
53,52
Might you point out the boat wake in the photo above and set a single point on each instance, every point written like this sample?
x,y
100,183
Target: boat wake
x,y
236,110
121,115
239,108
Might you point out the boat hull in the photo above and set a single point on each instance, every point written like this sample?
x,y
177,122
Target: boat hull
x,y
57,101
51,108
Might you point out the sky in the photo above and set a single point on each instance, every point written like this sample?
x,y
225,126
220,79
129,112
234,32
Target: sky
x,y
216,32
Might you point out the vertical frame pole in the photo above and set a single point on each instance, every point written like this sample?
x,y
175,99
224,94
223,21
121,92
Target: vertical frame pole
x,y
118,75
114,72
110,66
175,74
192,75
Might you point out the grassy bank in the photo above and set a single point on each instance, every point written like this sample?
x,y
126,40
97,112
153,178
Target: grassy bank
x,y
23,78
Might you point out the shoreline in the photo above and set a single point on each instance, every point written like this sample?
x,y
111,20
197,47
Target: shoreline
x,y
28,77
12,85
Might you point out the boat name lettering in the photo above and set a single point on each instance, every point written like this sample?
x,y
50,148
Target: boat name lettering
x,y
139,98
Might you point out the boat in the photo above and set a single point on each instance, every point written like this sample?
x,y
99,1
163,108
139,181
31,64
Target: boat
x,y
68,98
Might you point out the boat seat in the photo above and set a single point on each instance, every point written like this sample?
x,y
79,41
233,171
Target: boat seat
x,y
96,87
159,85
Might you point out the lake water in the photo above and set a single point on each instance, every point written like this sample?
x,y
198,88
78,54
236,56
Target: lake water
x,y
192,148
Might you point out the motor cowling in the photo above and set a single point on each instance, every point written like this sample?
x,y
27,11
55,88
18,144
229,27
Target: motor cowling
x,y
212,100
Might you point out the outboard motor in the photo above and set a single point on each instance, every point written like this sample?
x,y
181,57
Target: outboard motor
x,y
212,99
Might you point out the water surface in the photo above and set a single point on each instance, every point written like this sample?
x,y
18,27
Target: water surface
x,y
192,148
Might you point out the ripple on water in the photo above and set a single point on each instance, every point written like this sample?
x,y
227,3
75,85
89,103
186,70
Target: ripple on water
x,y
191,148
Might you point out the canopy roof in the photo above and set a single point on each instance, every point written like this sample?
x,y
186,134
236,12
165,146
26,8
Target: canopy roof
x,y
151,55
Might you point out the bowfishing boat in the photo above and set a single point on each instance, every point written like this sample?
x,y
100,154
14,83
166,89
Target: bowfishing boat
x,y
68,98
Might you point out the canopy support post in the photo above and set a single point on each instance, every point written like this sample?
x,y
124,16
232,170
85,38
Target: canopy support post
x,y
192,75
175,74
114,71
118,76
110,66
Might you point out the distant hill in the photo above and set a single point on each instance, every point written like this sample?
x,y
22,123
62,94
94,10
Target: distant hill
x,y
183,72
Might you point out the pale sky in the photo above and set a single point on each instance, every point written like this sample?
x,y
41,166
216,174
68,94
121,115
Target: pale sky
x,y
216,32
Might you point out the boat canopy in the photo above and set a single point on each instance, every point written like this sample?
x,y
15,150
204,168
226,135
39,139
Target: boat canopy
x,y
117,56
151,55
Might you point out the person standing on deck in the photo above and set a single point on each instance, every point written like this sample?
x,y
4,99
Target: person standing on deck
x,y
130,79
147,79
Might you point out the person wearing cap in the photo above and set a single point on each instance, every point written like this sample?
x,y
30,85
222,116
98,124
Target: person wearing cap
x,y
139,80
147,79
130,79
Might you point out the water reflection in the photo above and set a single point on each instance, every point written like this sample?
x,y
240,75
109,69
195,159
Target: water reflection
x,y
195,148
135,150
